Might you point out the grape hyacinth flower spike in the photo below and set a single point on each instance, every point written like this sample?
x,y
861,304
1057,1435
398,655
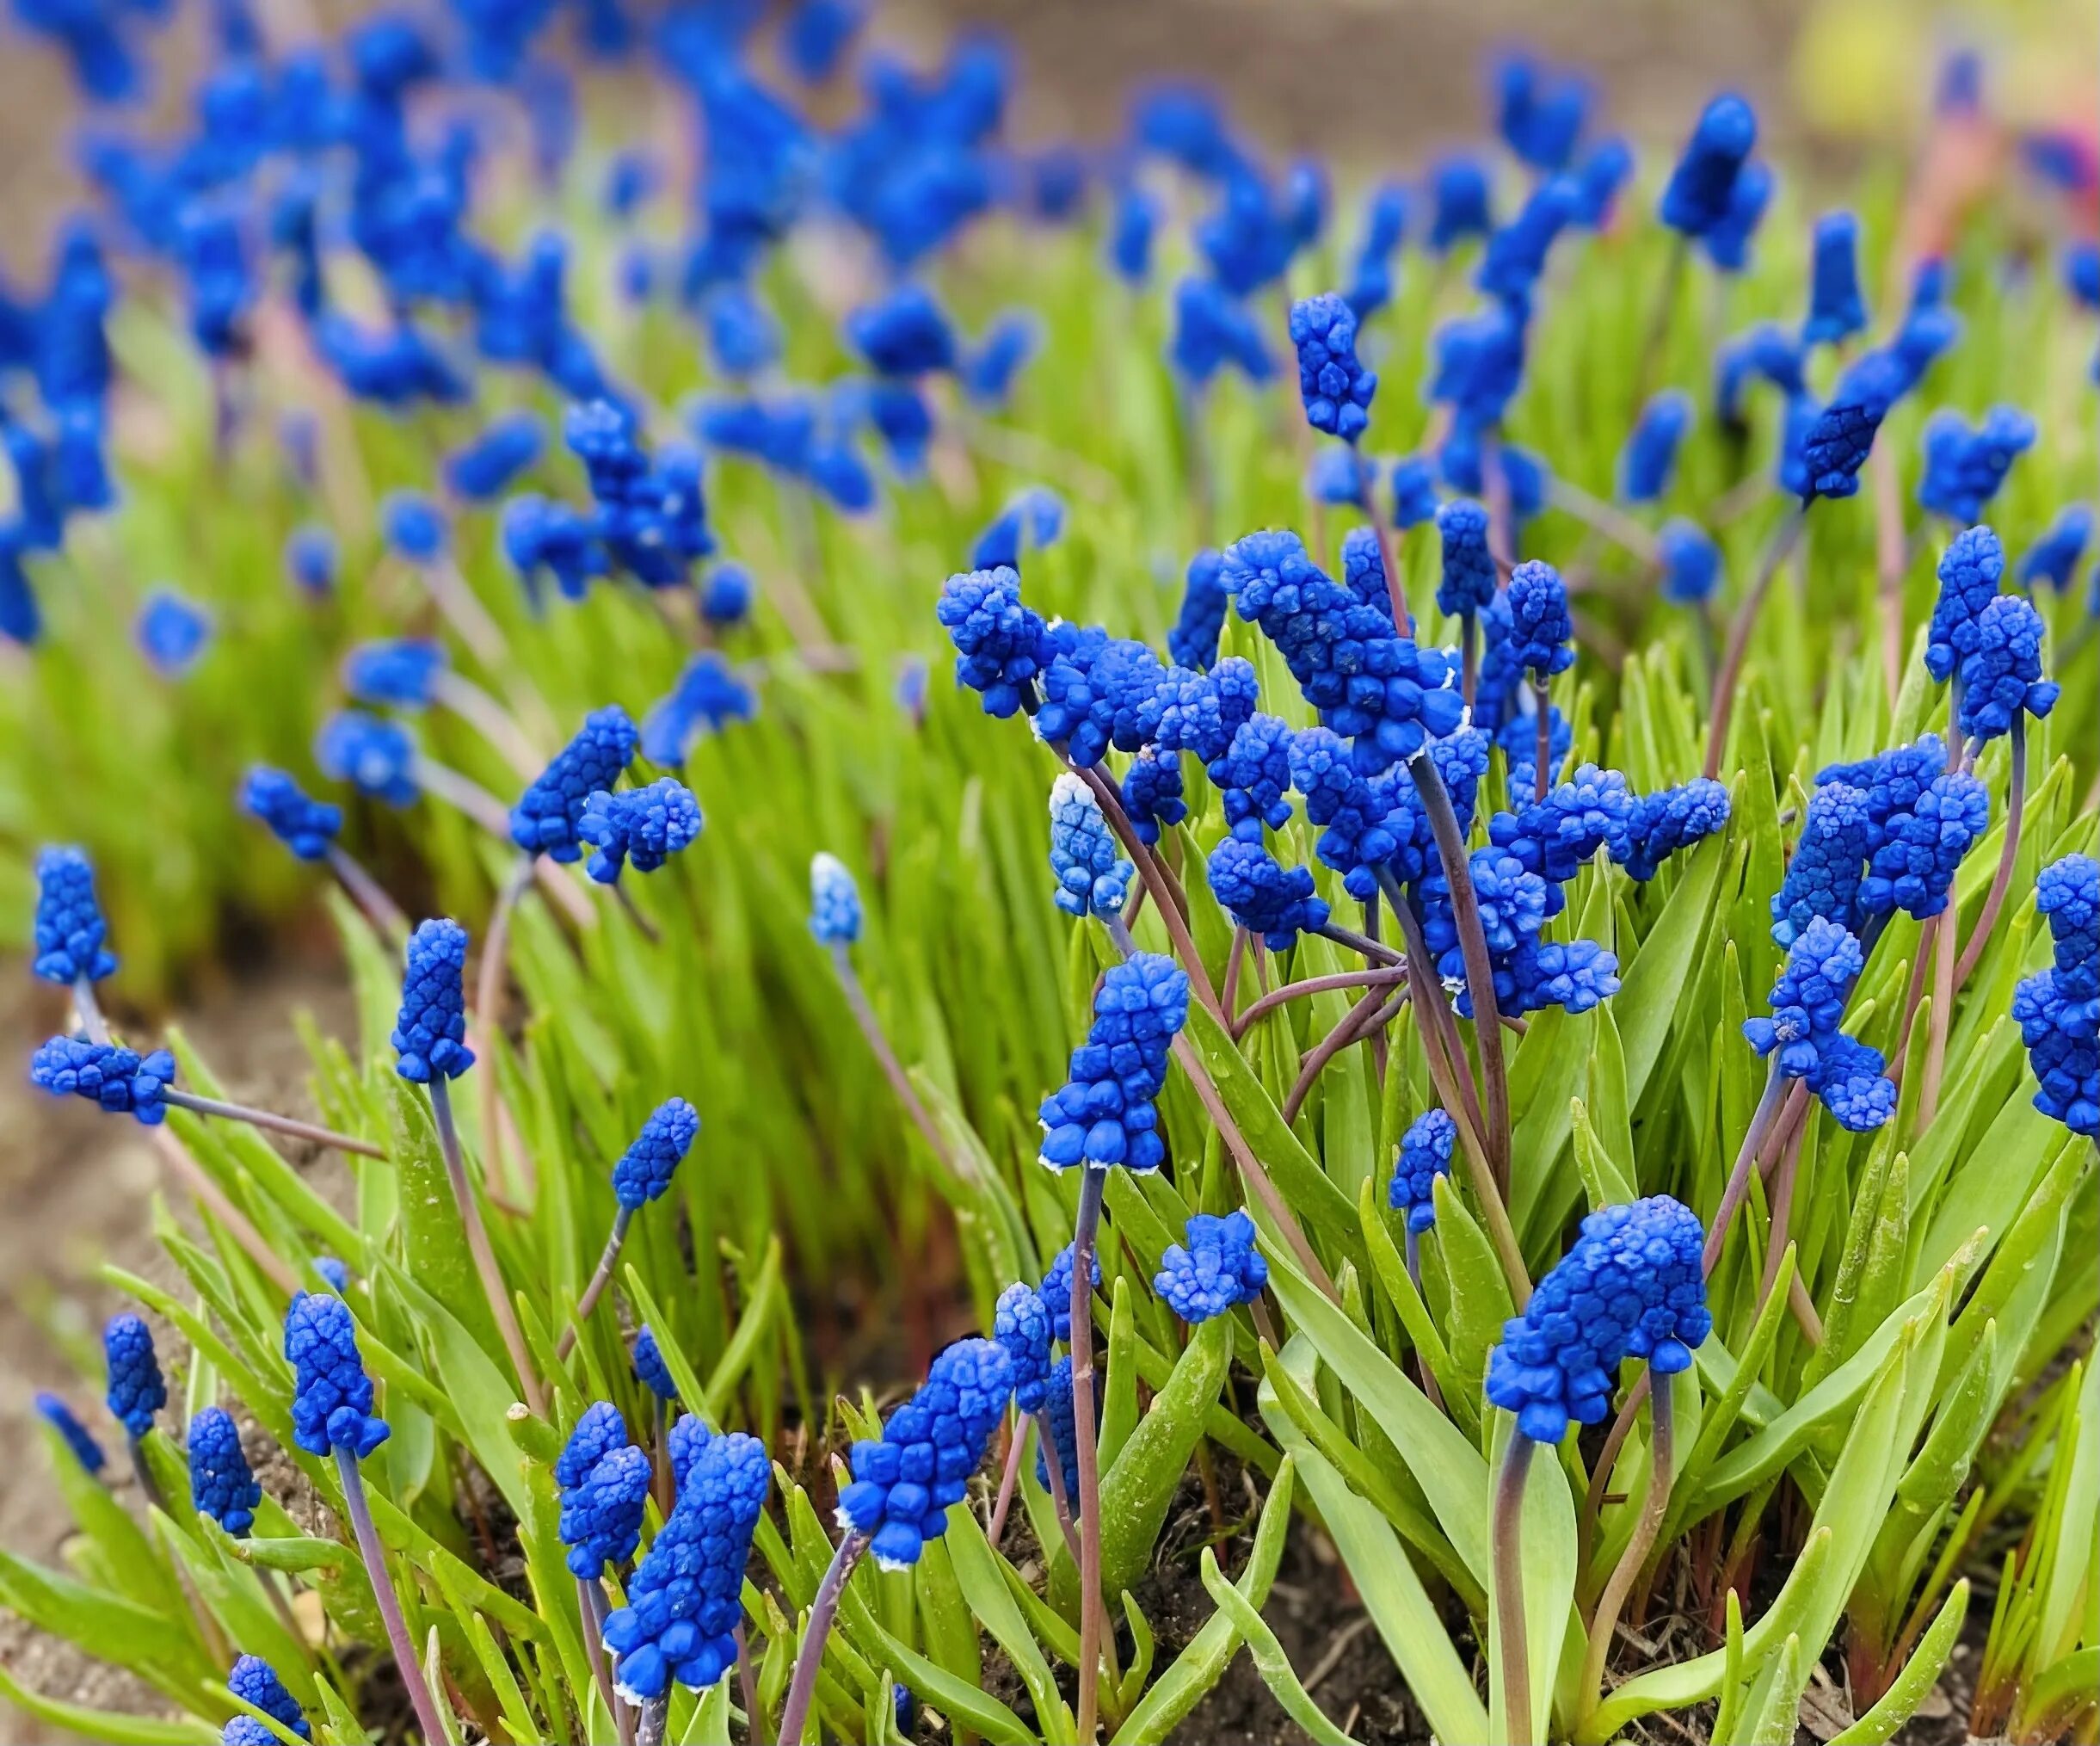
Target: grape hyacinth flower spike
x,y
605,1484
1092,880
1424,1154
255,1682
1539,632
1467,586
1631,1287
1216,1267
2058,1009
331,1415
643,1174
429,1039
76,1437
903,1485
417,535
310,829
137,1390
69,930
221,1483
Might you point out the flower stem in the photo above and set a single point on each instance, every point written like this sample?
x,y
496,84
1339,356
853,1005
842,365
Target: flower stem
x,y
1738,1188
1541,779
1009,1477
1355,1024
489,978
149,1488
368,894
599,1280
1154,877
265,1119
1411,1239
2016,807
1515,1671
1944,945
1396,593
1739,627
1606,520
374,1555
461,609
477,1244
655,1718
863,1011
802,1688
1061,1499
1468,654
1473,944
490,720
1376,950
1662,1462
1384,976
746,1689
1659,322
1087,1504
590,1603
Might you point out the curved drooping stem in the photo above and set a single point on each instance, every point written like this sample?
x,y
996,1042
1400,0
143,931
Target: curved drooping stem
x,y
1514,1669
369,1548
1737,1188
488,718
1661,1466
594,1288
267,1120
477,1244
1376,950
1087,1480
380,910
1355,1025
2001,881
1061,1499
1154,877
1739,627
1009,1477
1606,520
863,1011
802,1686
1383,976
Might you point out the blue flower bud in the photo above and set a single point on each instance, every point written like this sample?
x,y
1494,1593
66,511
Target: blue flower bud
x,y
1836,309
1649,458
430,1030
649,1366
548,817
1092,878
414,527
1336,388
331,1401
69,930
60,1417
1217,1267
1697,197
121,1080
254,1680
303,825
835,901
172,632
904,1486
1424,1154
221,1484
646,826
137,1390
645,1169
374,757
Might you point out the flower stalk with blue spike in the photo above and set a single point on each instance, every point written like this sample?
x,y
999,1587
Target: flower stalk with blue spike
x,y
643,1174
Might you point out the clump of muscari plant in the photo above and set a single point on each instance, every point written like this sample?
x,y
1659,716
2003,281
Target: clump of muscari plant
x,y
1382,970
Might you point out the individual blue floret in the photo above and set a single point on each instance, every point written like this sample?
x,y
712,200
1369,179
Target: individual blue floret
x,y
430,1031
1467,580
835,901
548,816
1103,1114
254,1680
904,1484
68,930
221,1484
1092,878
1630,1288
1214,1268
332,1403
1540,626
60,1417
988,371
1969,572
122,1081
137,1390
905,334
1691,561
1415,490
1336,388
709,696
1649,458
1424,1154
644,826
725,596
1836,309
1671,820
334,1272
376,757
1263,896
172,632
1823,879
2001,676
685,1601
645,1170
310,560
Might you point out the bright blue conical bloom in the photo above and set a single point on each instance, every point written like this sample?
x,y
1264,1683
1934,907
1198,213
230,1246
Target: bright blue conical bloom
x,y
1092,878
395,674
221,1484
1727,242
601,1512
1964,468
645,1169
1385,222
1516,254
1540,112
600,1430
1424,1154
1336,388
1459,198
413,526
1151,793
1540,627
1969,573
1130,233
137,1390
2055,556
906,334
60,1417
1922,817
331,1269
1823,879
1649,458
1671,819
1415,490
686,1600
2001,676
548,815
1192,642
1216,1267
1691,561
254,1680
331,1401
374,757
645,826
1263,895
1836,309
835,901
303,825
1062,1444
1803,1037
122,1081
1697,195
725,596
1000,644
1213,328
2058,1010
489,465
1104,1113
708,697
68,929
1253,777
1468,581
430,1031
1630,1288
1835,446
903,1485
1022,1325
649,1365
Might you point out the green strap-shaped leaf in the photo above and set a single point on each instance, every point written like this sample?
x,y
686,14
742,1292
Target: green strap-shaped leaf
x,y
984,1589
964,1705
434,1250
1120,1404
1270,1661
120,1631
108,1725
1774,1711
1908,1689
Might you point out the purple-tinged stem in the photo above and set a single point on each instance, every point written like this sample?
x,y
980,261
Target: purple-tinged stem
x,y
2001,881
1413,1241
489,977
746,1687
368,894
656,1719
1087,1504
1060,1500
406,1661
1659,322
590,1602
1396,593
1737,1188
1541,779
477,1244
1381,977
1009,1477
1468,654
1661,1467
1359,1020
1514,1671
1375,949
461,609
893,1070
801,1687
488,718
275,1124
594,1289
1784,538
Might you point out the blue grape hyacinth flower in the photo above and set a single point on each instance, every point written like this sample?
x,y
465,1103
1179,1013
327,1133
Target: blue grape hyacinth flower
x,y
173,633
2058,1009
1151,792
904,1484
1541,628
1671,819
599,1430
376,757
835,901
1262,895
1022,1324
69,928
601,1512
649,1366
644,827
254,1680
1836,309
1691,561
1969,572
548,816
2001,676
1092,878
1649,459
685,1599
1823,879
61,1418
414,527
1055,1292
1964,467
120,1080
306,826
1467,580
1001,645
1630,1288
1336,388
430,1030
1215,1267
645,1170
331,1401
2054,559
1424,1154
1103,1114
1696,196
1802,1035
137,1388
221,1483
